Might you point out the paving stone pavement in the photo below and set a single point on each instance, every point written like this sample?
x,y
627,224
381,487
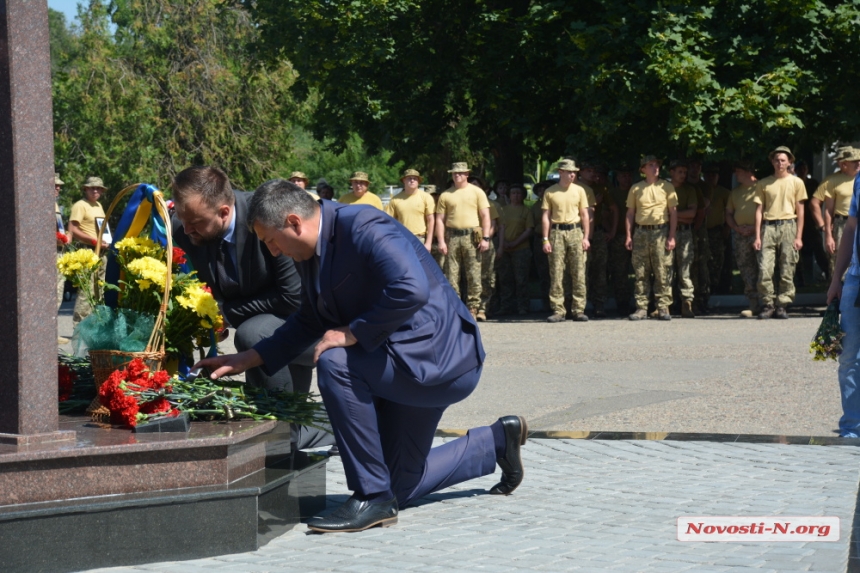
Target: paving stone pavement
x,y
588,505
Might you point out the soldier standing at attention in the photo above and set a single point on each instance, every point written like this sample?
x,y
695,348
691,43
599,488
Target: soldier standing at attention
x,y
836,192
683,254
619,256
87,214
604,226
462,216
516,227
414,208
740,216
565,227
701,252
489,260
359,196
779,208
652,212
715,223
540,258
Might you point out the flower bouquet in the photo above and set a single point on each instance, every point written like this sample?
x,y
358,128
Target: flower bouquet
x,y
827,342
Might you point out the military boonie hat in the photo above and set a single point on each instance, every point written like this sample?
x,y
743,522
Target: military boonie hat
x,y
850,154
299,175
677,163
430,189
781,149
360,176
95,182
567,165
57,180
646,159
412,173
459,167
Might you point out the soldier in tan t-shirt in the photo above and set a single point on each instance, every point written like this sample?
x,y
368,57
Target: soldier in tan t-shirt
x,y
740,216
779,227
83,227
683,254
360,195
565,225
652,212
462,211
836,192
414,208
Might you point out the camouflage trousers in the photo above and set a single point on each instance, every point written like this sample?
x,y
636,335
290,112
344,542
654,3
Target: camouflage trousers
x,y
700,274
463,254
838,226
541,261
488,277
777,248
82,307
567,254
513,280
596,262
438,256
619,269
747,259
650,257
717,249
682,258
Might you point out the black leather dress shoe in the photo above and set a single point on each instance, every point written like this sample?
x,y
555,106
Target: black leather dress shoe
x,y
516,433
357,515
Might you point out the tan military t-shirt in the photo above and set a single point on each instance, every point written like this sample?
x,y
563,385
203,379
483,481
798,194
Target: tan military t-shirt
x,y
688,196
840,188
779,196
85,214
460,207
516,219
652,201
717,214
411,210
564,203
742,201
368,198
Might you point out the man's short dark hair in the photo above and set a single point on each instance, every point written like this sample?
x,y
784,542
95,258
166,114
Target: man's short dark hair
x,y
209,182
277,198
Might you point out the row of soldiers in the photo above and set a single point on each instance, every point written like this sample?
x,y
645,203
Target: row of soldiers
x,y
583,235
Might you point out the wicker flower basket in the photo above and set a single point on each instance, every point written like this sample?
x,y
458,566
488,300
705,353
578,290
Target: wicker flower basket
x,y
105,362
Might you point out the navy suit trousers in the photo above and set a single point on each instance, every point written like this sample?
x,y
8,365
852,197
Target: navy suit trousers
x,y
384,424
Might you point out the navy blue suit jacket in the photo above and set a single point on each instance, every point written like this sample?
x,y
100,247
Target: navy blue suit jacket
x,y
378,279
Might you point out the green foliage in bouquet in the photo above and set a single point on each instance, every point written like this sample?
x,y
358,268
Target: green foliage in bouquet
x,y
827,342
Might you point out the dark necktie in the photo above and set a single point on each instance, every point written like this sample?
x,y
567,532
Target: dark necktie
x,y
226,271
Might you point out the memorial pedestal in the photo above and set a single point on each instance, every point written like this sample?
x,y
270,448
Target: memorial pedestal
x,y
113,497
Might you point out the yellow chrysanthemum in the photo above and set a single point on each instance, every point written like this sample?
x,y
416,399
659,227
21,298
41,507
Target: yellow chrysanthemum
x,y
149,269
75,262
135,247
202,303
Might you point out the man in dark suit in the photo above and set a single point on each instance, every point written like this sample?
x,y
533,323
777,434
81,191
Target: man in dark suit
x,y
255,290
397,347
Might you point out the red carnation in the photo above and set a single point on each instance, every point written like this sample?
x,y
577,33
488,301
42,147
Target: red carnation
x,y
178,256
63,238
67,379
155,406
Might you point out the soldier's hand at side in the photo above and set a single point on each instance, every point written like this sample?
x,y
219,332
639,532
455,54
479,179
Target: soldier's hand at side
x,y
484,246
798,244
443,248
830,245
230,363
628,244
670,244
547,248
757,245
586,244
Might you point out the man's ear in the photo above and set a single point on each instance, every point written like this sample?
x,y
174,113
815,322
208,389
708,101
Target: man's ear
x,y
224,211
295,222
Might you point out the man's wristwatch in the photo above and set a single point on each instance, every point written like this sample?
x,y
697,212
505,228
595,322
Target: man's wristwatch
x,y
486,239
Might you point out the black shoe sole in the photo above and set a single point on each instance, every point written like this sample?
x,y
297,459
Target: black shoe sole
x,y
387,522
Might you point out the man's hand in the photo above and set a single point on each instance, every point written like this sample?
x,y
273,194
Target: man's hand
x,y
335,338
230,364
547,247
670,244
443,248
586,244
798,244
830,245
628,244
484,246
757,244
835,290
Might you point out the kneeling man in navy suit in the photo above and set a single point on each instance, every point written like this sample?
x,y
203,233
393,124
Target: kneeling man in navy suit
x,y
396,347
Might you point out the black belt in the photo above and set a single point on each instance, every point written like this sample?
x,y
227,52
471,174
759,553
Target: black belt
x,y
422,236
652,227
684,227
778,222
566,226
459,232
840,217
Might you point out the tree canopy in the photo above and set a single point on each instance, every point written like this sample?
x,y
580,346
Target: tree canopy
x,y
492,80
